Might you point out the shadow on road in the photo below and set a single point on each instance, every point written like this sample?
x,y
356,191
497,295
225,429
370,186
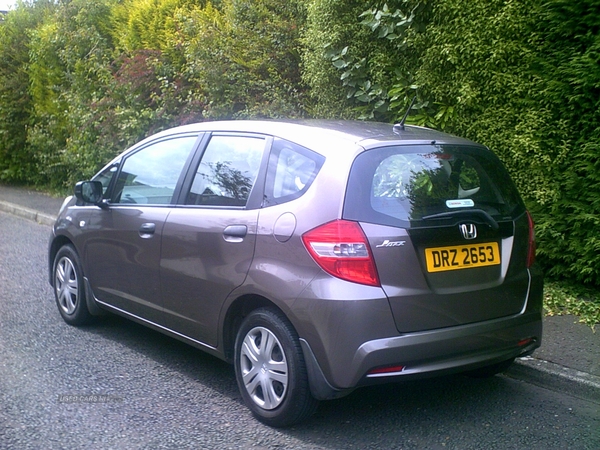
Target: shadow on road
x,y
454,410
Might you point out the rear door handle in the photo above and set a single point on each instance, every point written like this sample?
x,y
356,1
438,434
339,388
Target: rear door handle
x,y
235,233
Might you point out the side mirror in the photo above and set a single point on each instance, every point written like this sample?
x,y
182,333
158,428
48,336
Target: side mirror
x,y
89,192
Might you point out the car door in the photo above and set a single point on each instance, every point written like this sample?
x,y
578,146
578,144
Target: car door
x,y
123,240
208,242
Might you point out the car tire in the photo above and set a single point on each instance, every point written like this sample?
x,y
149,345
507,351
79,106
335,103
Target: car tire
x,y
491,370
270,369
69,289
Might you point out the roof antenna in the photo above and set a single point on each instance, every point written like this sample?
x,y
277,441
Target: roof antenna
x,y
400,126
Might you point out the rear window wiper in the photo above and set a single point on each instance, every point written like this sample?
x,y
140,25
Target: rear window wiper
x,y
463,213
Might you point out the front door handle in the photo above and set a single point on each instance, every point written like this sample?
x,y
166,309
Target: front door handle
x,y
147,228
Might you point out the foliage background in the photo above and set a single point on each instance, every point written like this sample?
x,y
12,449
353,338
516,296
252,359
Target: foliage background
x,y
80,80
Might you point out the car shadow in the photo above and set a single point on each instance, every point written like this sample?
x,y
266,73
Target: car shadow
x,y
375,416
170,352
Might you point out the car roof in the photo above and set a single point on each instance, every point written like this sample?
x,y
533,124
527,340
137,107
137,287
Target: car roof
x,y
321,134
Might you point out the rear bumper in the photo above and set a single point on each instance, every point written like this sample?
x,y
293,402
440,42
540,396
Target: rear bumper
x,y
430,353
347,339
451,350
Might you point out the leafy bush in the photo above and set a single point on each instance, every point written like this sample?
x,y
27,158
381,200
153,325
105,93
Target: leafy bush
x,y
243,57
523,79
331,25
69,69
568,63
519,77
17,161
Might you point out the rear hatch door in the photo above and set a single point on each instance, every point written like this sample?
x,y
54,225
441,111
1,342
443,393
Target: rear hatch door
x,y
448,233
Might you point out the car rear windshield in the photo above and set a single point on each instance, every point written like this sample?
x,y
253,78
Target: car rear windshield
x,y
407,185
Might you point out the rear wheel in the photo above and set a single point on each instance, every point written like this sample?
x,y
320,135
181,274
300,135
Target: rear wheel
x,y
69,290
491,370
270,370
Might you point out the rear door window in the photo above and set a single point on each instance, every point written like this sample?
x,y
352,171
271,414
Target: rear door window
x,y
404,185
227,171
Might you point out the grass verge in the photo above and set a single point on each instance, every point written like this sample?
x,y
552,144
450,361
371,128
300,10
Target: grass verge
x,y
562,298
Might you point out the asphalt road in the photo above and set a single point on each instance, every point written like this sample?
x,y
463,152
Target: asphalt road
x,y
118,385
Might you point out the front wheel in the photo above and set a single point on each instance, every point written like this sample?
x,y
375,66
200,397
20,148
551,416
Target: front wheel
x,y
69,290
270,370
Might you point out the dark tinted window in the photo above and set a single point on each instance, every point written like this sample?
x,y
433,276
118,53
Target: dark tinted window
x,y
291,171
402,185
227,171
150,175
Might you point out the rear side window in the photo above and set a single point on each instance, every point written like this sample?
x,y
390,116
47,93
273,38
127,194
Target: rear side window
x,y
290,172
403,185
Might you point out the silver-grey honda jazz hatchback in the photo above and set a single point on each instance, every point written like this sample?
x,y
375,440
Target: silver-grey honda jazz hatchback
x,y
317,257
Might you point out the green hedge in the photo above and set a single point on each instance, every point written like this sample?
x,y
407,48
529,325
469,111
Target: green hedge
x,y
81,80
521,77
17,163
524,79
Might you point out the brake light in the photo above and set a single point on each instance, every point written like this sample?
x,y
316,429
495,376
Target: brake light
x,y
341,249
531,248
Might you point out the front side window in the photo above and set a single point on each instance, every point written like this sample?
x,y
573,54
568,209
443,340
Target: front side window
x,y
227,171
150,175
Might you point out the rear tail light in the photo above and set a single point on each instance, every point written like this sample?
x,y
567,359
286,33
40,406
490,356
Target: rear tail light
x,y
341,249
531,247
